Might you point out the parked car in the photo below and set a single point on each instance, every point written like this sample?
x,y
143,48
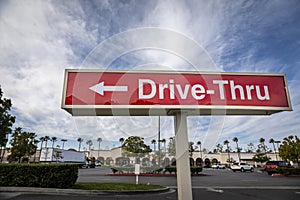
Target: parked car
x,y
271,166
242,167
218,166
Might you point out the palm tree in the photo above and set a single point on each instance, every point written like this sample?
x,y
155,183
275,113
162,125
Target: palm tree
x,y
164,141
79,140
153,142
99,140
219,148
42,140
46,140
235,139
53,139
121,140
200,150
33,141
89,143
46,146
262,142
272,141
226,142
63,145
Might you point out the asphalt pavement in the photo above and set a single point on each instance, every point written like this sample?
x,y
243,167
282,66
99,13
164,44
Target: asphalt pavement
x,y
216,184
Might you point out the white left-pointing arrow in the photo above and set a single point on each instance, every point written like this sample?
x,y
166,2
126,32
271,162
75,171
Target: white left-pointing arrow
x,y
100,88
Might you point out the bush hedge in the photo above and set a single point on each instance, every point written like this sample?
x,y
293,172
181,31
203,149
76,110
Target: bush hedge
x,y
144,169
288,171
170,169
39,175
194,169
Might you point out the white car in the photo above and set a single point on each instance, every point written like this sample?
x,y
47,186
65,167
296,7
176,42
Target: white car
x,y
241,167
217,166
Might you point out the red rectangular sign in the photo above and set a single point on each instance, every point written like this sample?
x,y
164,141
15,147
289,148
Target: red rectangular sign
x,y
88,92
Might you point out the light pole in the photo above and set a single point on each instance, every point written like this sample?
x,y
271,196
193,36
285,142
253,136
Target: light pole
x,y
99,140
277,142
159,141
63,145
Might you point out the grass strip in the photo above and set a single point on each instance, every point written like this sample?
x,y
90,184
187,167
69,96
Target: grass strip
x,y
115,186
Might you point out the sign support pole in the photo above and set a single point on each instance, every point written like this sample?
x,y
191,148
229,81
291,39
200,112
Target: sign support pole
x,y
182,157
137,169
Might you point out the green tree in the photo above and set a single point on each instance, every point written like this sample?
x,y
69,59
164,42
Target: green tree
x,y
250,147
290,149
219,148
261,153
23,144
261,157
6,122
57,155
135,146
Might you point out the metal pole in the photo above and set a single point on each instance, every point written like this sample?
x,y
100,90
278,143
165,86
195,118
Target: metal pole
x,y
276,152
182,157
159,141
98,150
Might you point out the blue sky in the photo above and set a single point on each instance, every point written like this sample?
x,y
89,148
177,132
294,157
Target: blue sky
x,y
39,39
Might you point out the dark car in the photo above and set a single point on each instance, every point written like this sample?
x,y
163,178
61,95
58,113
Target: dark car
x,y
271,166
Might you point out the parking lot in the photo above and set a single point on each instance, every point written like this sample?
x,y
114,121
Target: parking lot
x,y
211,178
215,184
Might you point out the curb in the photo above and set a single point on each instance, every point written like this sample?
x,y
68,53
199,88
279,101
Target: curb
x,y
152,175
282,175
77,191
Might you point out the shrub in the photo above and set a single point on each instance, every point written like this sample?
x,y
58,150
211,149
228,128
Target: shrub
x,y
130,169
288,171
171,169
38,175
194,169
151,169
114,170
154,169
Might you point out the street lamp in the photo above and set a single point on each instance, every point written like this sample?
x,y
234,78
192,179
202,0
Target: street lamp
x,y
99,140
159,141
63,145
277,142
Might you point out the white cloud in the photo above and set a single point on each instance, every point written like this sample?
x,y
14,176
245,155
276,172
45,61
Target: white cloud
x,y
34,52
39,39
